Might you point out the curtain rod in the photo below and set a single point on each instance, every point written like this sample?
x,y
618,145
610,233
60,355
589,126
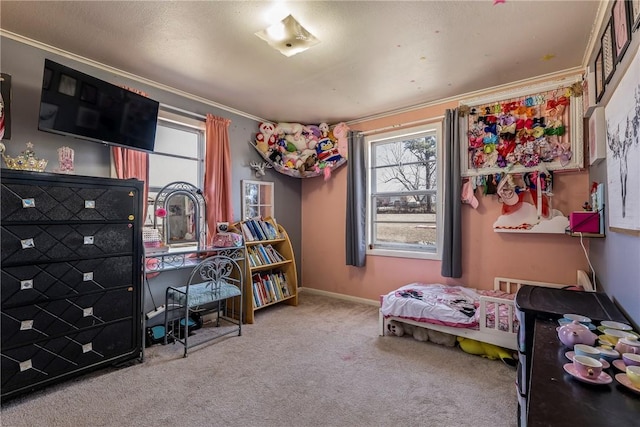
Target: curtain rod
x,y
181,111
402,125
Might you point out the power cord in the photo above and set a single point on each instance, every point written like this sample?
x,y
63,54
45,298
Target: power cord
x,y
593,272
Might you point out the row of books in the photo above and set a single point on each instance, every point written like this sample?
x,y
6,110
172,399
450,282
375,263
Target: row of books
x,y
263,255
269,288
259,229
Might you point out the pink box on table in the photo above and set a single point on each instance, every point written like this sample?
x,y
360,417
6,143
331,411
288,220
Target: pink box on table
x,y
584,222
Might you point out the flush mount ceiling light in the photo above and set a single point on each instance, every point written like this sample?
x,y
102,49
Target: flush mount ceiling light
x,y
288,37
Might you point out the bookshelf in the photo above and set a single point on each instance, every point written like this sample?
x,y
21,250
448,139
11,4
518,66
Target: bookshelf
x,y
270,266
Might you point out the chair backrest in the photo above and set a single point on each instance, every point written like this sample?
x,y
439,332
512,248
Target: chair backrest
x,y
216,270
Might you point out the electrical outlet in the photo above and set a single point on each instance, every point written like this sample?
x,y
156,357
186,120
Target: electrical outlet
x,y
155,312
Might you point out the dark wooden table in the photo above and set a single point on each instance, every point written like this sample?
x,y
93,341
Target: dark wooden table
x,y
557,399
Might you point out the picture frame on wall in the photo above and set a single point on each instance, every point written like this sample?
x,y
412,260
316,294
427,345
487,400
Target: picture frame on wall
x,y
623,151
608,59
621,28
635,14
599,70
597,136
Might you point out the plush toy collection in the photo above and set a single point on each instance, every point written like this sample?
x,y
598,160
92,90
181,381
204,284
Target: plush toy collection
x,y
467,345
420,334
303,150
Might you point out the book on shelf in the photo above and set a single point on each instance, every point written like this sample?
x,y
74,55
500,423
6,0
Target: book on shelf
x,y
248,235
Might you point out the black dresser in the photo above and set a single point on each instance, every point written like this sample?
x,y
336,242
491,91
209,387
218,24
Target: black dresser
x,y
548,396
71,276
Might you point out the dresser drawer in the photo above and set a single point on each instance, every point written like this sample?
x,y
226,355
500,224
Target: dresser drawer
x,y
31,323
36,283
61,202
45,362
23,244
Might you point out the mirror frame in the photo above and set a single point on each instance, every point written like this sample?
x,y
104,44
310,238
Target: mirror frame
x,y
193,193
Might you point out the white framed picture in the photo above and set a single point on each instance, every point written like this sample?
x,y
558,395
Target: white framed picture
x,y
597,136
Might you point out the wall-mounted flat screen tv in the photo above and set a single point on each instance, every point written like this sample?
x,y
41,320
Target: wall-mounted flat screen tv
x,y
75,104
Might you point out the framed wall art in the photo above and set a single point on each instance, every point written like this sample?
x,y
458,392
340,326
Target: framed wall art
x,y
608,59
599,75
596,136
5,106
621,28
635,14
528,129
622,116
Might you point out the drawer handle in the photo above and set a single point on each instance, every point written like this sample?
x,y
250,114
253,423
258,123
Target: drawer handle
x,y
27,243
86,277
87,312
26,284
28,203
25,325
25,365
88,240
89,204
86,348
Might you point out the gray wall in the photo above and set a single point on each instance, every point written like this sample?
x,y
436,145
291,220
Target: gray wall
x,y
25,64
616,258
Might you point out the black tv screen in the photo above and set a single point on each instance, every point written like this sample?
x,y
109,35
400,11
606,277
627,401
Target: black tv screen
x,y
76,104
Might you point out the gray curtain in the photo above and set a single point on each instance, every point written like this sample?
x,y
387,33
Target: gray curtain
x,y
452,223
356,239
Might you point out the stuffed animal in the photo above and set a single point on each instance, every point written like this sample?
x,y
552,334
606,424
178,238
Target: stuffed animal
x,y
327,151
420,334
340,133
294,129
400,329
489,351
308,163
324,130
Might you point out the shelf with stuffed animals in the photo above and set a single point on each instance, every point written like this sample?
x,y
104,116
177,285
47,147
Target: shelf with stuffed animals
x,y
303,151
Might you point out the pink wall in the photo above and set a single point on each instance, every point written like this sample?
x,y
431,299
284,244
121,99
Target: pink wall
x,y
486,254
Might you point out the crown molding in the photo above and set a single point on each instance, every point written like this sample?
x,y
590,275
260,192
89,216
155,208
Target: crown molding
x,y
95,64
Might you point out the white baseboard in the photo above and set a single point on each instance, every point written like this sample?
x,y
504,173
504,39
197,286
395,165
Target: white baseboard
x,y
340,296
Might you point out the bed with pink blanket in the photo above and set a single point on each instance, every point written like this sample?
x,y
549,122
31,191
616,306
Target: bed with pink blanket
x,y
484,315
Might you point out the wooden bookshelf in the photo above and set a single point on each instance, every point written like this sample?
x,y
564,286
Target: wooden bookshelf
x,y
270,266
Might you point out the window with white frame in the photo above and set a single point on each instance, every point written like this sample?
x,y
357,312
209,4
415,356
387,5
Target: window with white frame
x,y
178,154
404,204
257,199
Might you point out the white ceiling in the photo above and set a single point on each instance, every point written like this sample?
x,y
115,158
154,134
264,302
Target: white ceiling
x,y
374,56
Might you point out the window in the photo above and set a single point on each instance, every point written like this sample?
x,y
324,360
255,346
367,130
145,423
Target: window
x,y
257,199
404,205
178,155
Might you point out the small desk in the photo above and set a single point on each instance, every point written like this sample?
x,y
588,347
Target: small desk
x,y
169,263
557,399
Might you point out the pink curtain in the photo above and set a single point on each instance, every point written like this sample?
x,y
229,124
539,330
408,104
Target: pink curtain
x,y
133,164
217,174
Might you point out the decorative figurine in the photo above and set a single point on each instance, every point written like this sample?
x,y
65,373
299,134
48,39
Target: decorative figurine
x,y
65,160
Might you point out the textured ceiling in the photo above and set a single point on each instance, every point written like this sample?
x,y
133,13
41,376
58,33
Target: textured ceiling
x,y
374,56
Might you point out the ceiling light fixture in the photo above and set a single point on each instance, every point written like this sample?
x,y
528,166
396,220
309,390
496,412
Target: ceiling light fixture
x,y
288,37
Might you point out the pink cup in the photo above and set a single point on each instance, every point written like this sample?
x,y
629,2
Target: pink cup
x,y
587,367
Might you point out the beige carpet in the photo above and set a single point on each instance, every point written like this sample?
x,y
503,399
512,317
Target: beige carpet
x,y
319,364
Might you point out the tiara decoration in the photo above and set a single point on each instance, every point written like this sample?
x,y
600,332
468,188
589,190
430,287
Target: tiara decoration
x,y
26,161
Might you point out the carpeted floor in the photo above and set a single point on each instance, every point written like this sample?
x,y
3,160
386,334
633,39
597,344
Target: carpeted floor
x,y
321,363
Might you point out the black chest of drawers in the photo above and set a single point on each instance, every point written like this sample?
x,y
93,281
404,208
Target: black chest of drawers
x,y
71,276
